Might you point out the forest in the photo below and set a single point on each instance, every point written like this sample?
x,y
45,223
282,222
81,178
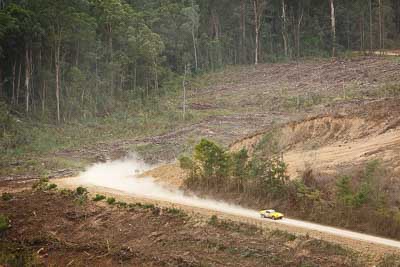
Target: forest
x,y
152,132
72,60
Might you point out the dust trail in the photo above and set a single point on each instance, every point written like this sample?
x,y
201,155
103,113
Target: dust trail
x,y
123,175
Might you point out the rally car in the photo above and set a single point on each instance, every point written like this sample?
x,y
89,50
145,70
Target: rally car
x,y
271,214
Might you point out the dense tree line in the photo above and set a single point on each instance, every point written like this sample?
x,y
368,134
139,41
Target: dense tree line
x,y
69,59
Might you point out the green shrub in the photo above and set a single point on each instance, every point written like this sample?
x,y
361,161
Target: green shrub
x,y
148,206
81,195
213,220
44,180
325,247
239,161
390,260
213,160
186,163
215,169
139,205
99,197
4,223
51,187
111,201
80,191
134,205
42,184
66,192
121,204
6,196
176,212
284,234
268,145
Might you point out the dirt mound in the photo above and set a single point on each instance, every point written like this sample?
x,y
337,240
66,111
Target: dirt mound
x,y
339,155
170,174
332,142
314,132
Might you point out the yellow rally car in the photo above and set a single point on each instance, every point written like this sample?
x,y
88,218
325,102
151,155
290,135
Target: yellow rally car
x,y
271,214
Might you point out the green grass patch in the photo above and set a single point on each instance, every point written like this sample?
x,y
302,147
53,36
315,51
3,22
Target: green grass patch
x,y
81,195
6,196
139,205
111,201
51,186
390,260
213,220
176,212
283,234
121,204
229,225
16,255
81,191
4,223
320,246
43,184
99,197
66,192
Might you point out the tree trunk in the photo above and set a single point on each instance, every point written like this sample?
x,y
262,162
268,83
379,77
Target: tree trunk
x,y
381,27
77,54
243,31
298,31
194,47
111,52
184,93
155,75
396,4
43,97
97,73
31,80
284,29
18,82
13,82
348,29
215,24
147,87
257,29
1,82
135,77
333,26
371,42
27,80
57,73
362,34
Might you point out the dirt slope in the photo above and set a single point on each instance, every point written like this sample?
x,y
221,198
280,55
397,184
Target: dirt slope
x,y
334,141
384,147
51,229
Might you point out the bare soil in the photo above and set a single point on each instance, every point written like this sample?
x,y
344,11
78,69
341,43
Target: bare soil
x,y
332,142
50,229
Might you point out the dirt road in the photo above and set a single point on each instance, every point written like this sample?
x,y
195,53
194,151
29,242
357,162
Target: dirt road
x,y
132,192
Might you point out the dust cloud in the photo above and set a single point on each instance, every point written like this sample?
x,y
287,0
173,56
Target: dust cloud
x,y
125,175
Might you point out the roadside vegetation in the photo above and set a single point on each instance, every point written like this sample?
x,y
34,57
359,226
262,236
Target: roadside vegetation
x,y
360,201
